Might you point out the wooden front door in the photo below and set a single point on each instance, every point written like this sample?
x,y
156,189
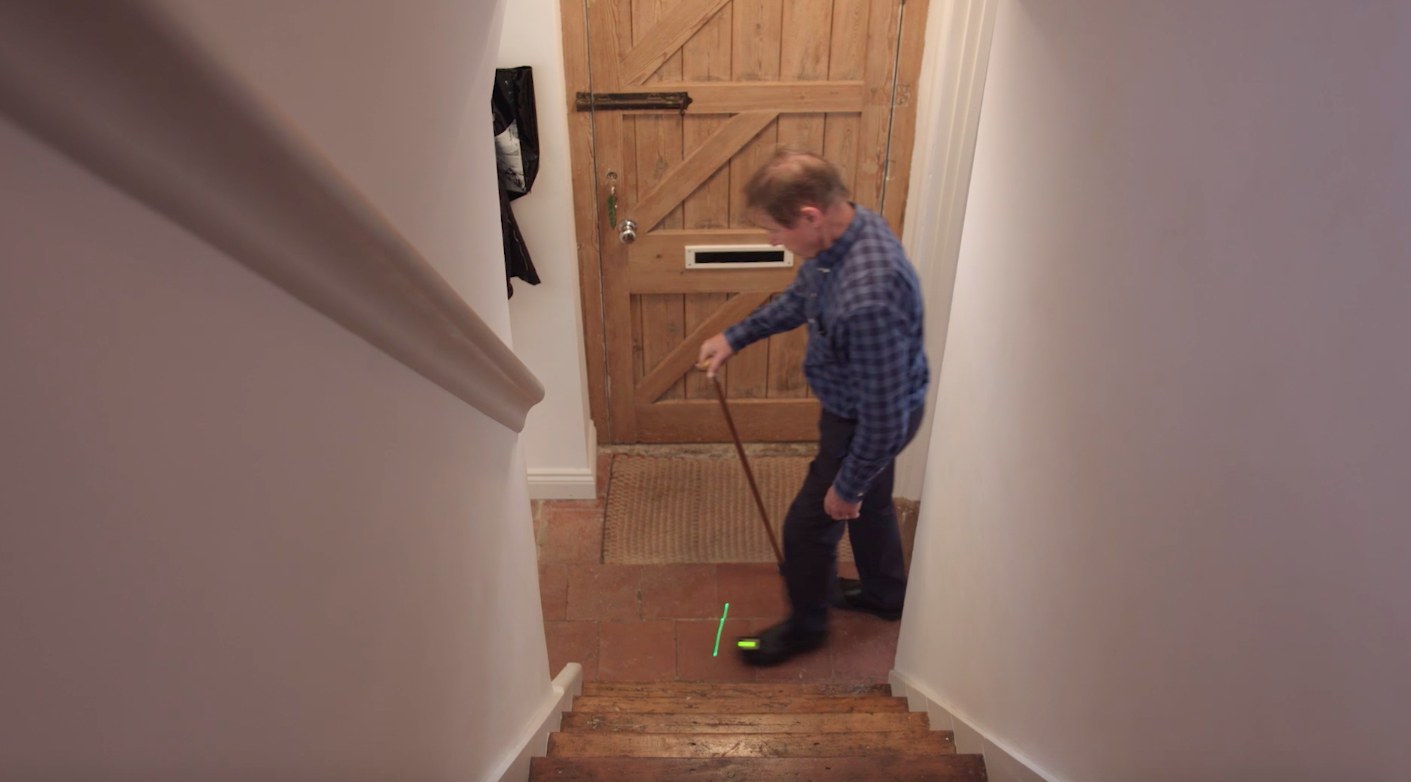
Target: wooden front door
x,y
832,76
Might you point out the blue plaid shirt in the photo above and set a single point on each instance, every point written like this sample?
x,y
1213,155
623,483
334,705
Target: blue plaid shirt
x,y
865,361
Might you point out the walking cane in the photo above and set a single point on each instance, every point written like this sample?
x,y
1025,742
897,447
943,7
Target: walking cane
x,y
749,474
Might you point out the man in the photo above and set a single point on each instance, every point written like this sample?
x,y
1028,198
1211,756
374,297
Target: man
x,y
862,302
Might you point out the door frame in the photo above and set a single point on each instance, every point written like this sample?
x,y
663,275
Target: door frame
x,y
589,194
586,221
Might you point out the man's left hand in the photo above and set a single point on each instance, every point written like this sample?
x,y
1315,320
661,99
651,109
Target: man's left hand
x,y
838,508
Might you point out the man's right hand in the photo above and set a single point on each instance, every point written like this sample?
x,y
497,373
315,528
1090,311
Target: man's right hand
x,y
714,353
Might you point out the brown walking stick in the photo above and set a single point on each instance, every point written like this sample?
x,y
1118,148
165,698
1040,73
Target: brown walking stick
x,y
749,474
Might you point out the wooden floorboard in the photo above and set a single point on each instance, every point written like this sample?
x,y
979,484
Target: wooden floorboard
x,y
817,704
705,689
694,731
864,722
945,768
750,745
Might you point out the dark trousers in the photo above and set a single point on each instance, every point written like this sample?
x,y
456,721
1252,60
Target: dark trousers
x,y
811,537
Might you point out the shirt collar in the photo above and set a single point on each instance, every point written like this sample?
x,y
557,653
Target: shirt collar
x,y
838,250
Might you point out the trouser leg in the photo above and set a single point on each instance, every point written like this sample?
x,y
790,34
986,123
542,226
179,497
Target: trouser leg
x,y
811,537
876,538
876,544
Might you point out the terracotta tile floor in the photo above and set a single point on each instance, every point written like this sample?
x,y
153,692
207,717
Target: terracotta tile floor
x,y
658,622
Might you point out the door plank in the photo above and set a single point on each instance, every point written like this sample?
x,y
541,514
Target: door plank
x,y
639,364
786,357
759,31
758,420
699,307
671,368
750,378
847,59
658,140
692,172
624,144
664,38
758,27
705,60
610,30
804,56
658,143
882,23
806,40
705,66
903,139
675,280
663,328
804,59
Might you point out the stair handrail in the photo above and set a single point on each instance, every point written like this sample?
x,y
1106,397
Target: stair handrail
x,y
120,89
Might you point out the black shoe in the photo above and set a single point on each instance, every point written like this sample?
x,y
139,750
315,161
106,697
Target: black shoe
x,y
852,598
780,643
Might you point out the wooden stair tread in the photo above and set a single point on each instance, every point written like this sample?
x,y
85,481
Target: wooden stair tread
x,y
741,704
707,689
774,745
941,768
694,731
735,722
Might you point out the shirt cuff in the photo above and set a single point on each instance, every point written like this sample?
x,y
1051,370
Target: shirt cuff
x,y
848,492
738,337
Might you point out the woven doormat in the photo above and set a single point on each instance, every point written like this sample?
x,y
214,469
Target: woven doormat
x,y
672,509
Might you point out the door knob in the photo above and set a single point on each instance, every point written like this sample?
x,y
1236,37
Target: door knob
x,y
629,232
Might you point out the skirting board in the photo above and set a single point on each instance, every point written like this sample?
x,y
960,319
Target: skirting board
x,y
576,484
567,686
1002,764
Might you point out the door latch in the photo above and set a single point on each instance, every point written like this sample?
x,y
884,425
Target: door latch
x,y
632,101
612,199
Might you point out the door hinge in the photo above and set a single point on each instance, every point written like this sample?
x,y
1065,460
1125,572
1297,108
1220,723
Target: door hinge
x,y
632,101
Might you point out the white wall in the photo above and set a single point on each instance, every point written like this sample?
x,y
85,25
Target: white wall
x,y
390,93
948,107
1164,533
238,541
559,439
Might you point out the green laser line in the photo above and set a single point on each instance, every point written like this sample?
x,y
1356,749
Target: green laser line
x,y
718,630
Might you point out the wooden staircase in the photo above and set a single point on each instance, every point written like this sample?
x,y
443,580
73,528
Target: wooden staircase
x,y
686,732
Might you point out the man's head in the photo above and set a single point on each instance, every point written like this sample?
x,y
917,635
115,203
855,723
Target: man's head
x,y
791,180
796,197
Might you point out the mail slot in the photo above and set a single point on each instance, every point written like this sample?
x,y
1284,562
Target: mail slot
x,y
737,256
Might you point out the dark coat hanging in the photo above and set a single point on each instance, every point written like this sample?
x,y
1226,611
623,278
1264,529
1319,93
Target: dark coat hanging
x,y
517,155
